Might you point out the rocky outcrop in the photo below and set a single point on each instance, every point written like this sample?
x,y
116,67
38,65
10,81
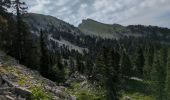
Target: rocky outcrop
x,y
10,91
17,82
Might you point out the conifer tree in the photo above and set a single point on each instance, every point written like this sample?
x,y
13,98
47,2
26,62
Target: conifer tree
x,y
139,62
4,5
107,72
20,8
57,70
89,68
79,64
149,56
126,65
72,65
157,77
112,76
167,86
44,58
98,70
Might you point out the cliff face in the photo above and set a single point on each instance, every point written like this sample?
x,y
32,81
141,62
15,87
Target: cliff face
x,y
19,83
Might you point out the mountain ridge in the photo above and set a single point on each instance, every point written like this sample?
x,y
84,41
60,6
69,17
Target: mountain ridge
x,y
90,26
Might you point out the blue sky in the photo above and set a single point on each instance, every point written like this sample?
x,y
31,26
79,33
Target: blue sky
x,y
124,12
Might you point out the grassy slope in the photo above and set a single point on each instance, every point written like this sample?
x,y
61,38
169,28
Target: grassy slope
x,y
100,28
30,80
85,92
137,90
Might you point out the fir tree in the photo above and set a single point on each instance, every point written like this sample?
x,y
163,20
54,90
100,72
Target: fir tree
x,y
167,86
157,77
148,63
126,65
112,76
44,58
139,62
72,66
107,72
20,8
4,5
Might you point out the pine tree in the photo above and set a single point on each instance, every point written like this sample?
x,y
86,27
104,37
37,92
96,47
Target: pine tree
x,y
72,66
167,86
4,5
99,69
112,76
157,77
139,62
57,70
107,72
31,53
126,65
79,65
20,8
89,67
149,56
44,58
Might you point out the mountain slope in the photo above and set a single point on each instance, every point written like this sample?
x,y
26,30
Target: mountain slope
x,y
92,27
37,22
59,33
17,81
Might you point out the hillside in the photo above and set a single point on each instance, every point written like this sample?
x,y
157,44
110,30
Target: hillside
x,y
116,31
37,22
92,27
94,61
58,32
17,82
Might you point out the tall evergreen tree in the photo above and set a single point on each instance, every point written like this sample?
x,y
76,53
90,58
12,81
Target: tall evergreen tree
x,y
107,72
89,67
139,62
44,58
157,77
112,76
99,69
4,5
126,65
79,64
149,57
167,86
20,8
57,70
72,65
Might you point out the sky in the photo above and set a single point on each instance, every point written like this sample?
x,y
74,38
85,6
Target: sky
x,y
124,12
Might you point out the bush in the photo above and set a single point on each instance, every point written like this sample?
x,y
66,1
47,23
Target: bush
x,y
40,94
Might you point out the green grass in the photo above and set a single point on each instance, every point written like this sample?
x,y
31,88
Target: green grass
x,y
40,94
137,90
137,96
85,93
100,28
23,80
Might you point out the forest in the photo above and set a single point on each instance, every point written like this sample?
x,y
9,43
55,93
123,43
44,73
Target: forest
x,y
114,67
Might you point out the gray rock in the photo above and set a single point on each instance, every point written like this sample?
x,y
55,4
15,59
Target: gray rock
x,y
23,92
127,98
9,97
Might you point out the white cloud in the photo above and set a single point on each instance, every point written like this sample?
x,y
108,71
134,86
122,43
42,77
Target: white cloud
x,y
39,6
107,11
